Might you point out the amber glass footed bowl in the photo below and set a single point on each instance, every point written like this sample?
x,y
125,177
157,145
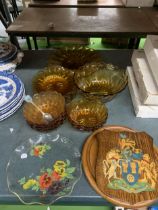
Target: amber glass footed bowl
x,y
100,79
74,57
54,78
49,102
86,114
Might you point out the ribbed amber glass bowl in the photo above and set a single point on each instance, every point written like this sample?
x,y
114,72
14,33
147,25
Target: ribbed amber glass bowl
x,y
55,78
74,57
49,102
86,114
100,79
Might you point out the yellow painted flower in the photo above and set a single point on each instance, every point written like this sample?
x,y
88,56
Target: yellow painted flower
x,y
59,164
60,171
29,184
59,167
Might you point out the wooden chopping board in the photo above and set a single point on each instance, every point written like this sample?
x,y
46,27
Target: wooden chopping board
x,y
89,157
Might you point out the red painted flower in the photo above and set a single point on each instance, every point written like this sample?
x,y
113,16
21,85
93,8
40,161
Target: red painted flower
x,y
45,181
36,152
56,176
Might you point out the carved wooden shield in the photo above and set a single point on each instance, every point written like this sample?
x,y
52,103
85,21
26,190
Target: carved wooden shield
x,y
121,165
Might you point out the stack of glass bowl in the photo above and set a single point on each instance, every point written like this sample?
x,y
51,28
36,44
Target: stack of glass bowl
x,y
9,57
49,102
55,78
74,71
86,114
11,94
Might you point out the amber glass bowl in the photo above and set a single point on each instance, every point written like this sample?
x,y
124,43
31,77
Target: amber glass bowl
x,y
100,79
49,102
55,78
74,57
86,114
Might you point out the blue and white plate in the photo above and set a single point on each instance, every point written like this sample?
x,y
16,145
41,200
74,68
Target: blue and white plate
x,y
12,111
9,59
10,87
13,105
14,102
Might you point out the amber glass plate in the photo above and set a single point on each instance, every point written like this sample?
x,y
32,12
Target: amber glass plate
x,y
55,78
43,169
74,57
49,102
86,114
100,79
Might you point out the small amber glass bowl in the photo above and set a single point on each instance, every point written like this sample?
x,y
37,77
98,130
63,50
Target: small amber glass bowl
x,y
86,114
49,102
100,79
73,58
55,78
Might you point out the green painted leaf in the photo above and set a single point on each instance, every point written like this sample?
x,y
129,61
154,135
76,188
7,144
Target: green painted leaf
x,y
22,181
49,171
70,176
42,170
48,147
67,162
67,189
70,170
35,188
44,191
32,153
61,193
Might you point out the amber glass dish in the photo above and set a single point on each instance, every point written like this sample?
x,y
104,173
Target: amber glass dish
x,y
74,57
86,114
100,79
55,78
49,102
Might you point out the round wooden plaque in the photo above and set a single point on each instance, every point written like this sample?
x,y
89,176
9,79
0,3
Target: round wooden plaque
x,y
89,157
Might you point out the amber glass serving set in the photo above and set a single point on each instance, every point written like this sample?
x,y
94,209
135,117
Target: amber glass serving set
x,y
76,83
119,163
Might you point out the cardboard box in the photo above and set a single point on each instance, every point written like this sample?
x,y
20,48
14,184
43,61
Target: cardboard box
x,y
151,52
138,3
148,90
143,111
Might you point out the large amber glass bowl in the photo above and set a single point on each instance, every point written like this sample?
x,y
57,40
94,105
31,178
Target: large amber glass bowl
x,y
74,57
49,102
100,79
55,78
86,114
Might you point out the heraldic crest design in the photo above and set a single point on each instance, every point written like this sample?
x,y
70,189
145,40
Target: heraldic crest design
x,y
128,169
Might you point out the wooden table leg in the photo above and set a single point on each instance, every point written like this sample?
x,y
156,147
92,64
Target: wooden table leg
x,y
131,43
35,43
137,43
28,43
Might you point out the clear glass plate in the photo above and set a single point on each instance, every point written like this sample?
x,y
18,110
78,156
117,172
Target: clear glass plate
x,y
43,169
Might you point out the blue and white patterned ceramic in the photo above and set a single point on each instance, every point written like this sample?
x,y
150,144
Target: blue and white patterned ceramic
x,y
10,87
11,112
9,59
6,51
14,104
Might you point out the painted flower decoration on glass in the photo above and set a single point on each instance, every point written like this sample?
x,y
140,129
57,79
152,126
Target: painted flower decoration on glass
x,y
40,150
43,169
53,180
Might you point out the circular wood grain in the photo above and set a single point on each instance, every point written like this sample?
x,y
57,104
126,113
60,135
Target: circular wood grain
x,y
89,157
